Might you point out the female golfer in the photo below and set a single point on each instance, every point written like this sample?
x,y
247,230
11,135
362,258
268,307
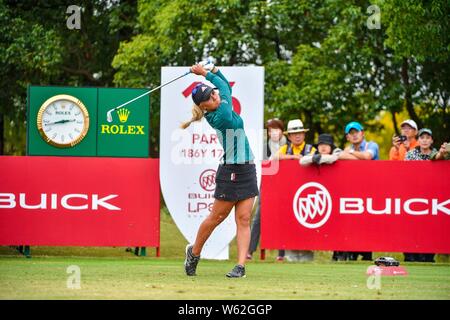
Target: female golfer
x,y
236,184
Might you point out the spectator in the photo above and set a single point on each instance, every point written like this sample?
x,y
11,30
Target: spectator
x,y
443,153
405,142
275,140
360,149
296,148
326,152
424,151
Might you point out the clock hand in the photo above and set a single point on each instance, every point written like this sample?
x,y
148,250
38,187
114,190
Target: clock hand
x,y
60,121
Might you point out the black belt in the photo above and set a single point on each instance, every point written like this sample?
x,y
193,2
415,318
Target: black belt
x,y
245,162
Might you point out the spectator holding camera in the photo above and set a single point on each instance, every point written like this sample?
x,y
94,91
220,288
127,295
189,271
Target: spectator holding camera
x,y
405,142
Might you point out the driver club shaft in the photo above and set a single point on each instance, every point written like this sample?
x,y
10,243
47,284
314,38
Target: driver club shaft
x,y
109,113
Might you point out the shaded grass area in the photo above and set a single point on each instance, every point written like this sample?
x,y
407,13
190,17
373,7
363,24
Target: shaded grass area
x,y
172,246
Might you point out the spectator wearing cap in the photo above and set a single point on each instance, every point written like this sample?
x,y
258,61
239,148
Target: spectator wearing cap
x,y
326,152
360,149
424,150
405,142
296,147
443,153
275,139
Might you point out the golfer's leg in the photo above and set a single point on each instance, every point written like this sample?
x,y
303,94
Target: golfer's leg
x,y
243,211
220,210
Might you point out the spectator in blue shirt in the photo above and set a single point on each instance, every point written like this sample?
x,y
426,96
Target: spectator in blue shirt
x,y
360,149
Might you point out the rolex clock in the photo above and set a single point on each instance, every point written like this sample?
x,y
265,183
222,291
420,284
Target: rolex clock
x,y
63,121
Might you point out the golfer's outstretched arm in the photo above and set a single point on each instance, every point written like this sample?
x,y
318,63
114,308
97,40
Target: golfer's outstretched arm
x,y
219,81
220,74
226,106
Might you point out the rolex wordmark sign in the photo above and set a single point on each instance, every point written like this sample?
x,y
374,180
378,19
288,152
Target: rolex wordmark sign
x,y
121,129
123,115
127,135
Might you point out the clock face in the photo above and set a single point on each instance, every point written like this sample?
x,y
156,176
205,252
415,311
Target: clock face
x,y
63,121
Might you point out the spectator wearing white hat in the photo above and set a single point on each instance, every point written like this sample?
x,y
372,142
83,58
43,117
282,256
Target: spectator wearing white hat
x,y
296,147
405,142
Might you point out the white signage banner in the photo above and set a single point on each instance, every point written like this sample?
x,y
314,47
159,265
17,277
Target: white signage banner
x,y
189,158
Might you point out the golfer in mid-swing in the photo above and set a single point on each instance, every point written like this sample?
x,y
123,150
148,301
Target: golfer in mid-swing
x,y
236,184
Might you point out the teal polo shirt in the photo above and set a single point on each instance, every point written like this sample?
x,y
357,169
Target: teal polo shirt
x,y
228,124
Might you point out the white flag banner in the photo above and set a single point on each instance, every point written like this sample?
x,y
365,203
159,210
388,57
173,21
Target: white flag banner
x,y
189,158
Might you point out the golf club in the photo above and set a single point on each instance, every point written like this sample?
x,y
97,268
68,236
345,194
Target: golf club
x,y
109,113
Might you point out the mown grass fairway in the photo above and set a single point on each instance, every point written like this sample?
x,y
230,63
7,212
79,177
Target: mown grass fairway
x,y
112,273
151,278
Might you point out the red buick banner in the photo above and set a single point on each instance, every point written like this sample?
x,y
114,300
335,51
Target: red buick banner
x,y
72,201
358,206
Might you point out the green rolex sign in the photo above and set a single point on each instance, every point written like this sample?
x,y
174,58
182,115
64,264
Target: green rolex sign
x,y
68,121
127,135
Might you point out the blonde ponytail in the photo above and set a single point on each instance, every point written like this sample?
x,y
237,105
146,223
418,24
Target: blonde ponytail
x,y
197,115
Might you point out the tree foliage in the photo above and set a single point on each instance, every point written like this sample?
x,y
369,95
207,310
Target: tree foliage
x,y
37,48
323,64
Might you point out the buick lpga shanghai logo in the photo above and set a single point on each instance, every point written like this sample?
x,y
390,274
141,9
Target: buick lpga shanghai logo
x,y
208,180
312,205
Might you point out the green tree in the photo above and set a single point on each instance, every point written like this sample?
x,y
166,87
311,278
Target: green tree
x,y
28,53
36,47
181,32
418,32
339,77
355,72
323,64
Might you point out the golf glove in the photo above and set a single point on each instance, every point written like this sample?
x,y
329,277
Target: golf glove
x,y
208,64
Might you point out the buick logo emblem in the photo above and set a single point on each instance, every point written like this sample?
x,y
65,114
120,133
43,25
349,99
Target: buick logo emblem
x,y
208,180
312,205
